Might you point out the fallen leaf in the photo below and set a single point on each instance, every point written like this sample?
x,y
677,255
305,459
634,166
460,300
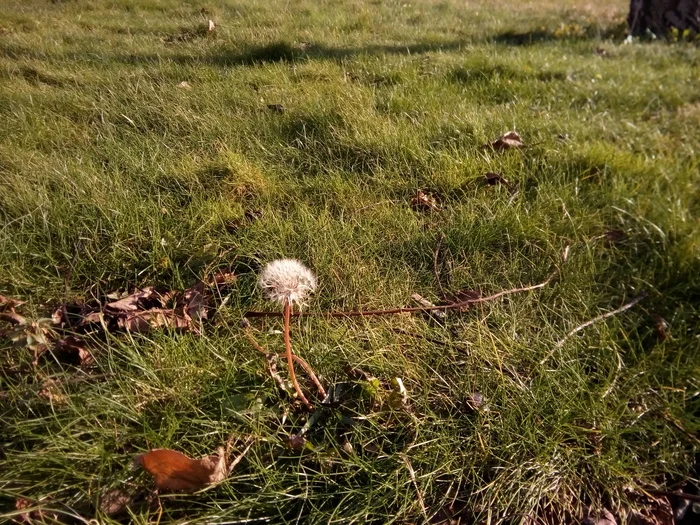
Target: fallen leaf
x,y
424,202
195,304
603,518
493,179
652,511
135,301
115,502
223,278
51,392
145,321
357,373
57,316
13,318
72,350
660,326
477,401
8,303
296,442
372,448
33,516
507,141
92,318
175,472
461,296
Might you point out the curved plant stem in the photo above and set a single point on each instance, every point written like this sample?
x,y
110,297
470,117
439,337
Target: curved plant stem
x,y
564,339
290,356
297,359
391,311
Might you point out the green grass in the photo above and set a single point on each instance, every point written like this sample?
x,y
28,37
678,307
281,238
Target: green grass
x,y
113,177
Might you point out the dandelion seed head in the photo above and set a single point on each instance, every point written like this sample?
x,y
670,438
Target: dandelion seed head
x,y
287,280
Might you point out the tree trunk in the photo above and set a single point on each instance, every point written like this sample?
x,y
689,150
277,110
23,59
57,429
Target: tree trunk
x,y
659,16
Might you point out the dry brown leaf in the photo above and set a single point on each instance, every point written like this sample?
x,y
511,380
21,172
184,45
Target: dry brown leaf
x,y
92,318
35,516
477,401
357,373
136,300
145,321
222,278
51,391
604,518
115,502
195,303
13,318
296,442
493,179
660,327
8,303
508,141
463,295
654,511
73,350
424,202
173,471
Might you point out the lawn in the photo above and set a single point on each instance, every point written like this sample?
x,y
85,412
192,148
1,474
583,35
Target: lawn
x,y
140,149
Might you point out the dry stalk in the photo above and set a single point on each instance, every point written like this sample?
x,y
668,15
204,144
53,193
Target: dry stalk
x,y
392,311
563,340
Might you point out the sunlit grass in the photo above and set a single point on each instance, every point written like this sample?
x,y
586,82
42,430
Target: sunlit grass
x,y
114,176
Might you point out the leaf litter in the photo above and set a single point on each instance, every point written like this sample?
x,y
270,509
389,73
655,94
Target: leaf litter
x,y
424,202
509,140
174,471
65,336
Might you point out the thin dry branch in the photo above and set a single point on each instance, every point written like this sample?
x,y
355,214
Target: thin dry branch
x,y
391,311
601,317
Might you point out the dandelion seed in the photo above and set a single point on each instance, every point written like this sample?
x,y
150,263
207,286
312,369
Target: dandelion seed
x,y
287,281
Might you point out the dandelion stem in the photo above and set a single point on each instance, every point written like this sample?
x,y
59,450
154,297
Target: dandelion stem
x,y
306,366
290,356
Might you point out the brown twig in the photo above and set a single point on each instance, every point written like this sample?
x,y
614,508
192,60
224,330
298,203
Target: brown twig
x,y
668,493
563,340
307,368
391,311
290,356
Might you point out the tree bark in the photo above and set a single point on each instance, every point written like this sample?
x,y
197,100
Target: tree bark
x,y
660,16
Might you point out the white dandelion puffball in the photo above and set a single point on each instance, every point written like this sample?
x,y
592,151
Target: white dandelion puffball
x,y
287,280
